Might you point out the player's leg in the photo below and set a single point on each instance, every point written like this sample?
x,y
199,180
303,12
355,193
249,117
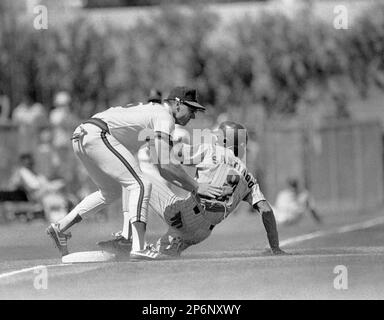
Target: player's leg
x,y
162,197
135,209
98,162
90,150
195,226
184,217
109,191
162,202
136,189
121,239
127,227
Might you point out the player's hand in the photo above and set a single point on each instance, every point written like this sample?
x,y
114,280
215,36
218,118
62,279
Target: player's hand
x,y
207,190
227,191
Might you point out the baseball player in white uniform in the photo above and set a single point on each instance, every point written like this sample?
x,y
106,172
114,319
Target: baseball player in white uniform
x,y
145,156
191,219
106,145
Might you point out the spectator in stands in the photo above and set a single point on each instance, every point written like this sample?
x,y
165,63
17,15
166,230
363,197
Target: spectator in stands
x,y
29,113
47,158
292,204
4,107
31,118
39,189
27,178
62,120
63,123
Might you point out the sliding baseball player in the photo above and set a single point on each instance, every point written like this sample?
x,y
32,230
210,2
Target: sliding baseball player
x,y
191,219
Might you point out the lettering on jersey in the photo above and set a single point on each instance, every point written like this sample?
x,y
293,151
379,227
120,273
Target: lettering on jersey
x,y
244,172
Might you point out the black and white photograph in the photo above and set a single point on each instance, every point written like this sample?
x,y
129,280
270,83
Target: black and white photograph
x,y
204,152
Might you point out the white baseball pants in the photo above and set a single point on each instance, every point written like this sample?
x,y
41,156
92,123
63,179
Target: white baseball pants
x,y
185,217
113,168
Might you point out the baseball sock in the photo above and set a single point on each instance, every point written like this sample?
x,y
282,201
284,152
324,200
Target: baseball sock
x,y
138,235
89,205
68,221
127,229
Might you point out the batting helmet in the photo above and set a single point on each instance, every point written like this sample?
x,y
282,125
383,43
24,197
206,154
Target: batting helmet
x,y
234,135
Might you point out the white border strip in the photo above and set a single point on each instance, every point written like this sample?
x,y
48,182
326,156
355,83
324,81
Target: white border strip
x,y
348,228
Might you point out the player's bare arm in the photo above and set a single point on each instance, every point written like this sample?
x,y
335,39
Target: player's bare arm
x,y
270,225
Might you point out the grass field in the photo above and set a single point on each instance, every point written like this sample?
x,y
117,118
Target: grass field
x,y
228,265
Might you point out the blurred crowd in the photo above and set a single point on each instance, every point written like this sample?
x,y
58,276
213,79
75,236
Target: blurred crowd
x,y
47,172
46,133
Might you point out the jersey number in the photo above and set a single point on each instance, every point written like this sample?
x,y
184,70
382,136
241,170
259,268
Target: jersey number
x,y
176,220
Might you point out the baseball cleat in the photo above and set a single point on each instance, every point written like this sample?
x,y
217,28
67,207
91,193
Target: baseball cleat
x,y
118,244
149,253
174,248
59,238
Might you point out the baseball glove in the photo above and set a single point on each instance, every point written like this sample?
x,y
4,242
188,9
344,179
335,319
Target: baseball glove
x,y
215,205
227,179
221,203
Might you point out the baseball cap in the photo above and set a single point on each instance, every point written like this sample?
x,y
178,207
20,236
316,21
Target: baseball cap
x,y
187,96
